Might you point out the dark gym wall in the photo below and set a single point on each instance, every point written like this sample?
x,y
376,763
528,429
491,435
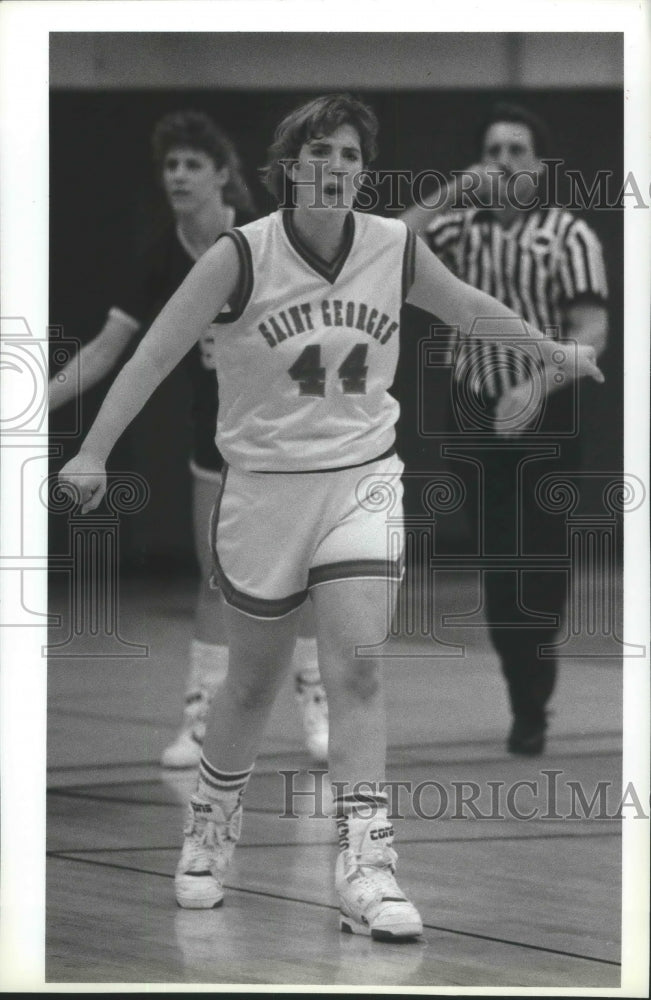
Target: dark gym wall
x,y
104,203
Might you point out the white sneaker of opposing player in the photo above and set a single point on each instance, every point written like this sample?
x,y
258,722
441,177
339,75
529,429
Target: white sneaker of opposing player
x,y
210,839
311,696
185,750
370,899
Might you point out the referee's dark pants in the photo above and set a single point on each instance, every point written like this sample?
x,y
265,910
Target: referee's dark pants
x,y
525,545
525,607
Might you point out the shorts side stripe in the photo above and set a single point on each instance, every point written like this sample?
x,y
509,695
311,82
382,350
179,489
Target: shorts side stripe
x,y
354,569
257,607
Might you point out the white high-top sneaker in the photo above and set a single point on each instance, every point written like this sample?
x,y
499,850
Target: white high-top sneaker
x,y
210,839
371,900
185,749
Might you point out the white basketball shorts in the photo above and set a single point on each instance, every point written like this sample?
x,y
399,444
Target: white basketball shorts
x,y
274,536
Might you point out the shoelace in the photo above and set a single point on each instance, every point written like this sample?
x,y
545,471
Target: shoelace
x,y
213,835
202,842
375,871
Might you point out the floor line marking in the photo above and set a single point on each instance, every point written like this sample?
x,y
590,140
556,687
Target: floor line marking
x,y
330,906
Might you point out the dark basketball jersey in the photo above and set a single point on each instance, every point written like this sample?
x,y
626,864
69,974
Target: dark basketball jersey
x,y
154,278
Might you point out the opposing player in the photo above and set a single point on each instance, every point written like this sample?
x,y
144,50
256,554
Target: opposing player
x,y
311,501
207,194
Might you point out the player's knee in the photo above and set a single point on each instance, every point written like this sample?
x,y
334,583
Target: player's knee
x,y
251,694
362,678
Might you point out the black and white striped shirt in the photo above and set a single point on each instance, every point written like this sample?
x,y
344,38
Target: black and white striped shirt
x,y
543,262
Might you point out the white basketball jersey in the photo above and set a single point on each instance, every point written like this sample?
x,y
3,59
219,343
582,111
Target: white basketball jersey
x,y
307,357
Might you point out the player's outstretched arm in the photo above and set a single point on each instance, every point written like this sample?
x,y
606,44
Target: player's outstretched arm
x,y
584,323
436,290
466,189
94,361
203,294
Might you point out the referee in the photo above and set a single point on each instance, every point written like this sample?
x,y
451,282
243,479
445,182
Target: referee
x,y
547,265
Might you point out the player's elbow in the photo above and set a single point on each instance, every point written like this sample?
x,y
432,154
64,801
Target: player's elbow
x,y
155,360
105,355
96,359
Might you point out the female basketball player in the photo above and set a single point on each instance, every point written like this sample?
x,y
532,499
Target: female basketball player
x,y
311,499
207,194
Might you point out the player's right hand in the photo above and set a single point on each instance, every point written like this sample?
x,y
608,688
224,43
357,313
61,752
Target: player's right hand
x,y
85,477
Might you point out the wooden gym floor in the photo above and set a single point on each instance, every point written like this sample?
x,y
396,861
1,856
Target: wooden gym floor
x,y
530,902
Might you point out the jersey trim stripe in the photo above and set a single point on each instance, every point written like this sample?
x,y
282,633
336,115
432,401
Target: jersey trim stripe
x,y
408,264
245,284
329,271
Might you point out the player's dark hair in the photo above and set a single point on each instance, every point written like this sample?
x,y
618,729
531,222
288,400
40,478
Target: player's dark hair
x,y
516,115
195,130
317,118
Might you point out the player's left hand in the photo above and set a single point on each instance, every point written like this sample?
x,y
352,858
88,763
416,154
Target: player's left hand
x,y
586,363
569,360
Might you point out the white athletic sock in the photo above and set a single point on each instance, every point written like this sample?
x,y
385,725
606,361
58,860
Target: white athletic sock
x,y
356,805
225,787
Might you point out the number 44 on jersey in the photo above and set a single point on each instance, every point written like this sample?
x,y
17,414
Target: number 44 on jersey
x,y
311,375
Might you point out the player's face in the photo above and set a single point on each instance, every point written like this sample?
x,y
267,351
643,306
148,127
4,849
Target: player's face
x,y
509,148
191,180
326,170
